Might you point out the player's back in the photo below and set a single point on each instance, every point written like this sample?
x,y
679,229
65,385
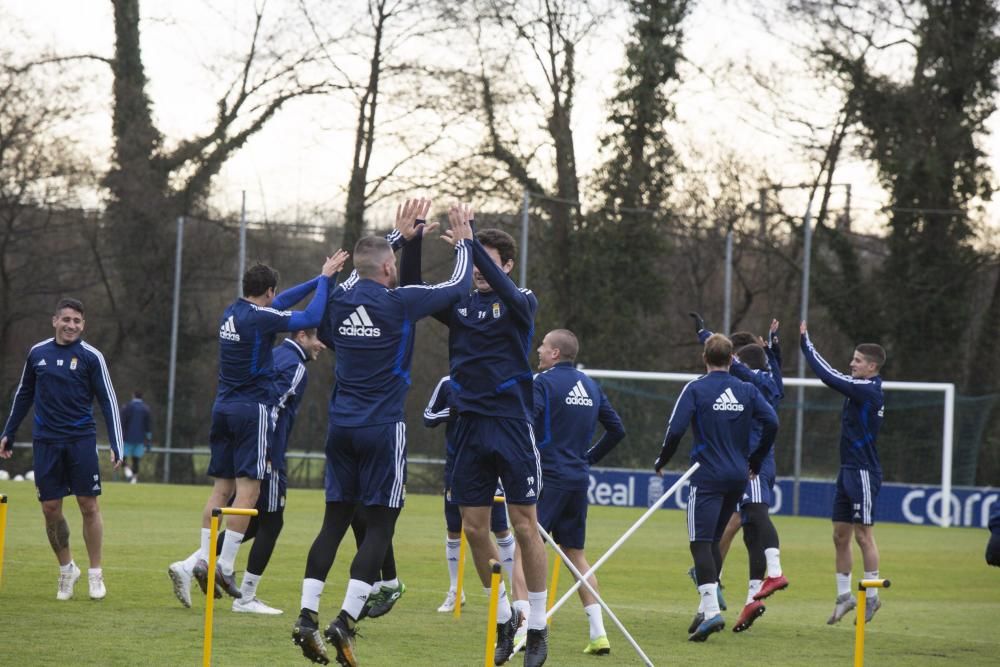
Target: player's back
x,y
489,346
565,424
722,425
290,379
246,336
373,340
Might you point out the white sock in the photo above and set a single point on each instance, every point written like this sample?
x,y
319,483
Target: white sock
x,y
773,562
755,585
91,571
231,547
709,600
506,547
536,617
871,592
312,589
191,561
67,568
206,543
355,597
504,611
843,583
391,583
593,613
249,587
523,606
451,551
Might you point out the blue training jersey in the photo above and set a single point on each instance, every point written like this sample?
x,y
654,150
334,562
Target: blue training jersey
x,y
290,381
371,329
246,336
568,406
721,411
137,423
489,344
62,382
861,418
439,411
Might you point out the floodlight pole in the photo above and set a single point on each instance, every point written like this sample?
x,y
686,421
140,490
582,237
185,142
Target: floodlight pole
x,y
242,264
727,309
800,391
524,239
174,319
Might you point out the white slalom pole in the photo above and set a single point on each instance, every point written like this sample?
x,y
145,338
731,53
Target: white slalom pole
x,y
586,584
621,540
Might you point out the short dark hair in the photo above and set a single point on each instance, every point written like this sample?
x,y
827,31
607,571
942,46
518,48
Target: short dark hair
x,y
308,332
258,279
499,240
68,302
137,393
369,253
872,352
741,339
566,342
718,351
752,356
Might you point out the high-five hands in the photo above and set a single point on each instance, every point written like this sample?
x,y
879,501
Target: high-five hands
x,y
411,218
460,218
334,264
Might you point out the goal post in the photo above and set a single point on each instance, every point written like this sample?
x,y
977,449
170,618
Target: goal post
x,y
947,390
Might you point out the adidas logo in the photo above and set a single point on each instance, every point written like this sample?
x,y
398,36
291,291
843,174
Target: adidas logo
x,y
726,402
41,363
530,493
359,324
228,330
578,395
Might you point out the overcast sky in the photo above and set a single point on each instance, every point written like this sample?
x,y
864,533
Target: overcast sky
x,y
301,160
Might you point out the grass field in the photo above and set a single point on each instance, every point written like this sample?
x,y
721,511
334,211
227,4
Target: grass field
x,y
943,608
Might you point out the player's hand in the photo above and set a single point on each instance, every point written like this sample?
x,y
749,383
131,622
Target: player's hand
x,y
334,264
660,463
993,550
699,322
803,329
5,453
115,463
460,221
409,215
773,330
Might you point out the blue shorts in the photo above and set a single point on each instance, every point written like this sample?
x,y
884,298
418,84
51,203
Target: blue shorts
x,y
240,439
490,447
453,516
757,491
563,514
66,467
709,508
857,491
135,449
273,489
366,464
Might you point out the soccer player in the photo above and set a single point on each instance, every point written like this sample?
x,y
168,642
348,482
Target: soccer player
x,y
61,378
568,407
369,324
489,342
137,428
722,411
242,430
440,411
860,473
761,367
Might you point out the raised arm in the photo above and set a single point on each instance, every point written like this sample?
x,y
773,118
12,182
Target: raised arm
x,y
411,223
291,296
312,316
522,303
423,300
614,432
851,387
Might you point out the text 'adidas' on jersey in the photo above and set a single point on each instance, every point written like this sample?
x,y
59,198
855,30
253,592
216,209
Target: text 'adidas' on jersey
x,y
246,336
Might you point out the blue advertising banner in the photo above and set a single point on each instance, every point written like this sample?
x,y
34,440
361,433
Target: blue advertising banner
x,y
898,503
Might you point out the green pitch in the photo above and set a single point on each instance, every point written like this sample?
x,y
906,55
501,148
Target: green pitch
x,y
942,608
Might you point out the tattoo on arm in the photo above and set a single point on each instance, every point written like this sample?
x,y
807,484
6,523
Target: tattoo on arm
x,y
58,532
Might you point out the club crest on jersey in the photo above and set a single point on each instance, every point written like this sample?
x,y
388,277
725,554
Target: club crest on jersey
x,y
464,312
727,402
496,311
228,330
72,364
359,324
578,395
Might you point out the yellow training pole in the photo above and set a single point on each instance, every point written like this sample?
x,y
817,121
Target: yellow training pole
x,y
859,622
206,656
461,574
553,588
3,531
491,620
